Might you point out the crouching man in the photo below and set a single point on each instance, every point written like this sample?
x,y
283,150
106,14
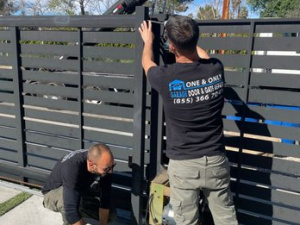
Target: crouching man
x,y
81,178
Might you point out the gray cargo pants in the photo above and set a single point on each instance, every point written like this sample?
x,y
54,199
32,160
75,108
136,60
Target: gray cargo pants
x,y
210,174
89,205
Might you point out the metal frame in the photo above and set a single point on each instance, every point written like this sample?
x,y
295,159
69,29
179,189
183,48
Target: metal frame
x,y
30,164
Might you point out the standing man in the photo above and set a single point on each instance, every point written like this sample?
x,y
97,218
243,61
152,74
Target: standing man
x,y
75,178
192,93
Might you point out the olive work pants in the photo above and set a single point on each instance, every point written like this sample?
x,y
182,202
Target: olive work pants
x,y
89,205
209,174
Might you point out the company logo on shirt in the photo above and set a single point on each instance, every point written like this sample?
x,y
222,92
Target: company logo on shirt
x,y
196,91
177,89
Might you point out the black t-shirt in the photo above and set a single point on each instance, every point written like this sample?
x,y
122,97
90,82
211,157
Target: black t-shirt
x,y
71,173
193,99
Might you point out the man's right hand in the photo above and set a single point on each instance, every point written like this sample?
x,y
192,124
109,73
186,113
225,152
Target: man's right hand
x,y
146,32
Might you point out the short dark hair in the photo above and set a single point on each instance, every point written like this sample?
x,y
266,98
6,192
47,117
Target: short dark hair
x,y
183,32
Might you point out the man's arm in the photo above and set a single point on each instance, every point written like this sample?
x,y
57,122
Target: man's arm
x,y
103,215
147,36
202,54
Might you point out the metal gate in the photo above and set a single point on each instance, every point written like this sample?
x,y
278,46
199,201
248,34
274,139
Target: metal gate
x,y
67,82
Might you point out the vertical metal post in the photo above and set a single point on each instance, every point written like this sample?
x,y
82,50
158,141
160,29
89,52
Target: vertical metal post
x,y
156,125
245,98
18,87
80,88
138,125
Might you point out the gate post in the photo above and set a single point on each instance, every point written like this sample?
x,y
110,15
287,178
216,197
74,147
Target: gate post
x,y
138,125
18,87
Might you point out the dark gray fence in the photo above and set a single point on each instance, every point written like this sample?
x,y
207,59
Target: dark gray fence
x,y
262,88
64,86
67,82
261,115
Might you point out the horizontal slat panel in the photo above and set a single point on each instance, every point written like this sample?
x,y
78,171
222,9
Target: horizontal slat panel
x,y
122,179
276,148
233,141
109,96
52,116
7,121
286,114
39,162
109,81
52,129
109,124
24,172
232,109
288,183
59,77
277,44
233,60
122,166
235,78
109,110
224,43
10,156
275,80
204,27
276,62
46,151
109,37
108,138
59,36
106,67
45,50
50,103
7,109
5,47
273,197
53,141
274,97
231,125
275,164
6,132
70,21
5,34
6,60
5,73
8,144
289,27
234,93
58,91
109,52
249,218
55,64
273,130
6,85
276,214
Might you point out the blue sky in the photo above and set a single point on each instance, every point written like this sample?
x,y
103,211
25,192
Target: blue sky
x,y
193,8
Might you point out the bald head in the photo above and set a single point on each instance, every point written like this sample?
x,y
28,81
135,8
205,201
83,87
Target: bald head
x,y
97,151
100,159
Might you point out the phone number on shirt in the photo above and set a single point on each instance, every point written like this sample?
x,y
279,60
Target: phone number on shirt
x,y
199,98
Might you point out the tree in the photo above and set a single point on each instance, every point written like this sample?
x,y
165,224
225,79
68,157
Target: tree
x,y
276,8
81,7
238,10
208,12
6,7
213,10
171,6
